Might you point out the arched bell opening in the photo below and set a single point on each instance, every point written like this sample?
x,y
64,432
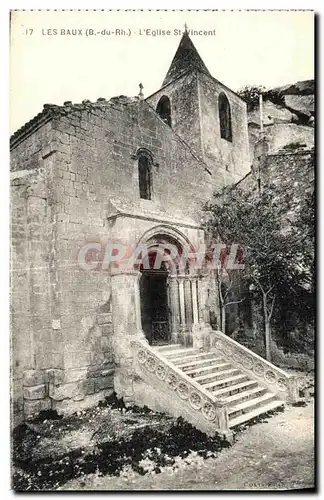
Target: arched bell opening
x,y
163,109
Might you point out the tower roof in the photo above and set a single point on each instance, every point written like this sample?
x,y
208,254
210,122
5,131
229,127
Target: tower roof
x,y
186,59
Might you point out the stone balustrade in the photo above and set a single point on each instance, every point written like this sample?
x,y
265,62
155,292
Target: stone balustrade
x,y
275,379
182,392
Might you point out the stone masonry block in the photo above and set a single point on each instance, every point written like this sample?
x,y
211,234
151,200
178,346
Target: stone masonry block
x,y
77,359
69,406
36,392
31,408
54,377
33,377
89,386
104,318
59,377
107,329
103,383
105,343
65,391
75,375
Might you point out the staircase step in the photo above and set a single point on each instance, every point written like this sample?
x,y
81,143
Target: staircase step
x,y
210,368
185,360
235,389
168,347
245,395
227,382
200,362
245,417
180,353
251,404
218,375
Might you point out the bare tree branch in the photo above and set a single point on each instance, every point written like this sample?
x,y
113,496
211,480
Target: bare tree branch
x,y
228,289
234,302
259,284
266,293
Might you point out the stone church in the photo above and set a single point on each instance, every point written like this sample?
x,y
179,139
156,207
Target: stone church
x,y
133,171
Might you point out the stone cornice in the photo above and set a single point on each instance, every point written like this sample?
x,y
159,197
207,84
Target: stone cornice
x,y
153,219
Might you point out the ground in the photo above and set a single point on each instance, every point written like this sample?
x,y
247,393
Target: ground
x,y
277,454
111,448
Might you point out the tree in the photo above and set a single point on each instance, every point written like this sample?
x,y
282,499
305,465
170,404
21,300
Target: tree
x,y
250,94
271,254
225,281
295,316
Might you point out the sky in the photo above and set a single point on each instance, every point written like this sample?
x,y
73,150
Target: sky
x,y
269,48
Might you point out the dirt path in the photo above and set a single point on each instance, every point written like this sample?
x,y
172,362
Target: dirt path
x,y
273,455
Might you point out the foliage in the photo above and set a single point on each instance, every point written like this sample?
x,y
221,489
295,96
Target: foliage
x,y
256,225
274,252
250,94
274,96
297,303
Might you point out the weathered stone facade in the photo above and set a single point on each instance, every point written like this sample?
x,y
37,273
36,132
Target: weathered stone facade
x,y
194,97
75,180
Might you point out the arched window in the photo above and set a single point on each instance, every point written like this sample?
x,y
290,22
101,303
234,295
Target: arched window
x,y
144,176
163,109
225,117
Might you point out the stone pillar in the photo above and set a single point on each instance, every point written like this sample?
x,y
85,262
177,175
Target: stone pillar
x,y
174,300
182,308
202,299
194,300
293,389
182,302
202,331
188,301
126,320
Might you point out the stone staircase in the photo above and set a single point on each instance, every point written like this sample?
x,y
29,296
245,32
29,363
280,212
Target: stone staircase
x,y
244,397
215,386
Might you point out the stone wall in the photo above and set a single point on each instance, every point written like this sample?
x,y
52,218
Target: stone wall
x,y
195,118
185,112
86,190
98,200
279,135
229,161
35,344
291,167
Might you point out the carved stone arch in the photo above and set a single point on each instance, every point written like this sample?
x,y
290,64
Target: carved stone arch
x,y
143,152
166,230
166,234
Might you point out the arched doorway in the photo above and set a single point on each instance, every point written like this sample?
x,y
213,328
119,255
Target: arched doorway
x,y
155,306
168,292
156,310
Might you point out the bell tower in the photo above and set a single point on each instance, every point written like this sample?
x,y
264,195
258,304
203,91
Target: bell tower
x,y
207,115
